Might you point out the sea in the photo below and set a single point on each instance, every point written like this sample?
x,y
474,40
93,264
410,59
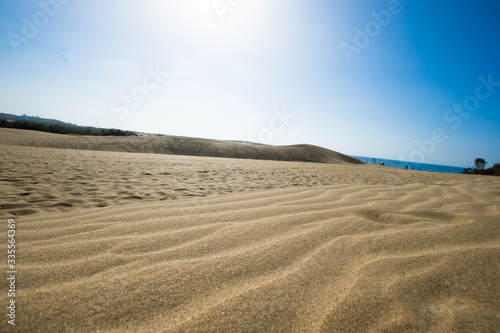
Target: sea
x,y
416,166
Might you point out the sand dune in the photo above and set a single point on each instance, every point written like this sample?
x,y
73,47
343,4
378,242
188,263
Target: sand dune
x,y
36,180
125,242
175,145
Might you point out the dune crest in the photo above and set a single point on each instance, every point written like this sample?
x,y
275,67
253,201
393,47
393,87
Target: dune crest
x,y
176,145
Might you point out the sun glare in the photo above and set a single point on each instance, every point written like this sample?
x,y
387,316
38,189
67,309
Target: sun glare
x,y
210,19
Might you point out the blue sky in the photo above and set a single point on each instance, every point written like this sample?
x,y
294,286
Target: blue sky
x,y
409,80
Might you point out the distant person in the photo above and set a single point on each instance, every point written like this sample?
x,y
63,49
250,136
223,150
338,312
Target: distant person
x,y
413,168
406,167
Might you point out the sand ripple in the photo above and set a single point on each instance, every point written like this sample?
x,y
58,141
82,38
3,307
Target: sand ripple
x,y
333,258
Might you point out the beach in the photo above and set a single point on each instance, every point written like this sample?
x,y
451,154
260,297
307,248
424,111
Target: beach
x,y
130,241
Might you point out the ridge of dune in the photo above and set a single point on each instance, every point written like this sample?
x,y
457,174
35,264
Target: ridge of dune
x,y
175,145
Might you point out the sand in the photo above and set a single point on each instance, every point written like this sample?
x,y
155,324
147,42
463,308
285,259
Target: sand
x,y
175,145
130,242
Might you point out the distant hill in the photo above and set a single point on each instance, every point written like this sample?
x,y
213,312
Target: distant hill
x,y
36,123
176,145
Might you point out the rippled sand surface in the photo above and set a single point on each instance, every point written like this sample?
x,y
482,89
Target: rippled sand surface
x,y
125,242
